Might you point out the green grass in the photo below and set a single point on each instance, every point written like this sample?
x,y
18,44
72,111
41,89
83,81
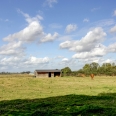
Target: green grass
x,y
65,96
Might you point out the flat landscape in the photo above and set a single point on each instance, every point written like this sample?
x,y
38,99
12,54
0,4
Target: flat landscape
x,y
27,95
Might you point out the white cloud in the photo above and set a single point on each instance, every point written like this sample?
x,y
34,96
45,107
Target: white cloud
x,y
111,48
50,2
92,59
10,60
107,61
86,20
22,63
28,34
113,29
65,60
12,48
70,28
66,44
30,19
114,14
33,32
33,60
89,47
87,43
49,37
95,52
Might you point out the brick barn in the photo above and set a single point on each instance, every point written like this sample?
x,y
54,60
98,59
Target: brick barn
x,y
48,73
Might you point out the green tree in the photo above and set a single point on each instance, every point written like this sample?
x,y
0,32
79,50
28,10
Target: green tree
x,y
66,71
107,67
94,67
86,69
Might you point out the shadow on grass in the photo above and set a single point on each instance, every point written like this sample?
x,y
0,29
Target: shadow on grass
x,y
70,105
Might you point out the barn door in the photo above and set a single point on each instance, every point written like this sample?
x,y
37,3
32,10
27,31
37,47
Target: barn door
x,y
49,74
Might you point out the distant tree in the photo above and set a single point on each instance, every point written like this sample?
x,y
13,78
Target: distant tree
x,y
74,73
66,71
107,67
80,71
86,69
25,72
94,67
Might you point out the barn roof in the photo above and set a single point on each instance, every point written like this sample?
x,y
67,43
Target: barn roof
x,y
48,70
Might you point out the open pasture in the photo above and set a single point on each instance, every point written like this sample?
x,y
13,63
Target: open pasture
x,y
22,87
64,95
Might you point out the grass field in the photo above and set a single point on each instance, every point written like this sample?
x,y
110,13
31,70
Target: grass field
x,y
28,96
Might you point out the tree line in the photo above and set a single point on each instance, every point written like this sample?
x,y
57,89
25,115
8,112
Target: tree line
x,y
107,69
24,72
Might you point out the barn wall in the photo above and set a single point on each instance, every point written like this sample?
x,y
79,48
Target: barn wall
x,y
52,74
42,74
47,74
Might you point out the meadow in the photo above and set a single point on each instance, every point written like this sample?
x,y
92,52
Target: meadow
x,y
24,95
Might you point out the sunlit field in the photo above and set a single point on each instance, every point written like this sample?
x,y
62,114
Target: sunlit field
x,y
27,95
25,86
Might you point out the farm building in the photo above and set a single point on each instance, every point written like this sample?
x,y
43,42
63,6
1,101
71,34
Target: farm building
x,y
48,73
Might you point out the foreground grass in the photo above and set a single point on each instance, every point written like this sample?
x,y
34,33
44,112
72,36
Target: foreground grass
x,y
69,105
57,96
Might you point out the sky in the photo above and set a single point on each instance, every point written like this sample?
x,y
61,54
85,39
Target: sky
x,y
53,34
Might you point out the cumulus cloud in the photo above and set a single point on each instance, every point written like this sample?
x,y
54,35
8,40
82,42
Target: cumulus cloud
x,y
30,19
20,63
113,29
69,62
33,31
98,51
36,61
70,28
86,20
108,61
87,43
89,47
10,61
30,33
50,2
65,60
49,37
12,48
92,59
66,44
111,47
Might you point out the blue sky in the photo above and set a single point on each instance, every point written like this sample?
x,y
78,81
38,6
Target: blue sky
x,y
53,34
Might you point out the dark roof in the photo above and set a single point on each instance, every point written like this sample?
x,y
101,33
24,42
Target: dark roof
x,y
48,70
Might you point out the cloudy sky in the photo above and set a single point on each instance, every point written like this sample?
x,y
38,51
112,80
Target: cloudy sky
x,y
53,34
